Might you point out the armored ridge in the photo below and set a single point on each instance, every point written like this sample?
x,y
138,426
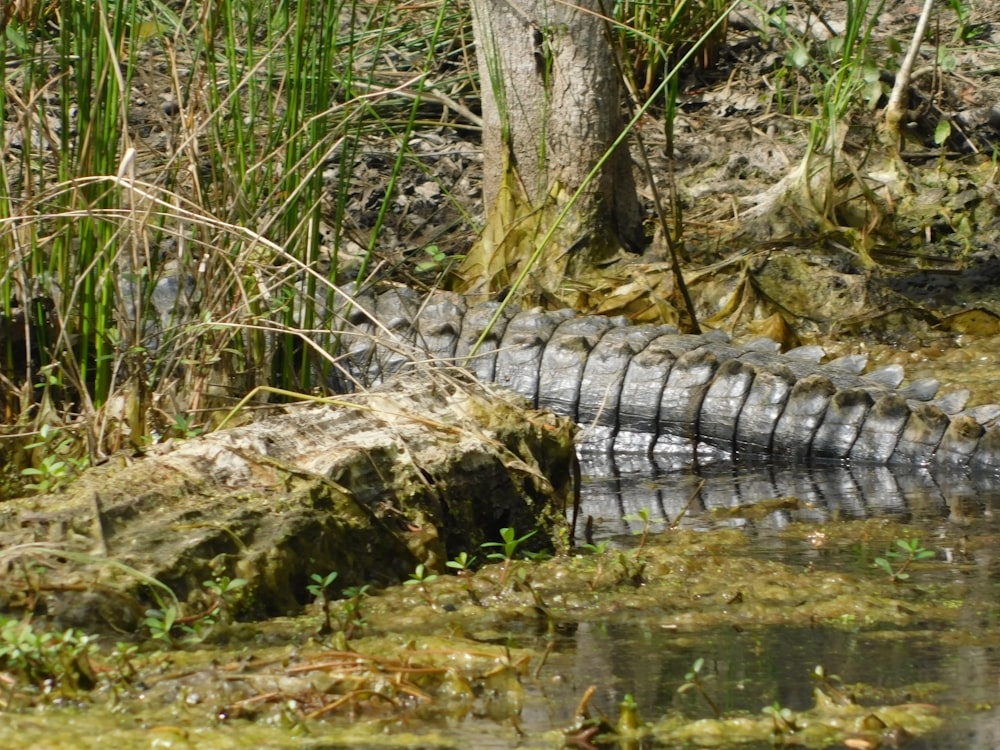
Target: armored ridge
x,y
646,387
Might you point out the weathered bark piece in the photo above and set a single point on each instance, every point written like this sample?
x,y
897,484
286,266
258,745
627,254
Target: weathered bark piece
x,y
410,473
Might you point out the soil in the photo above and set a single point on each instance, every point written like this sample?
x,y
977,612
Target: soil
x,y
870,265
889,266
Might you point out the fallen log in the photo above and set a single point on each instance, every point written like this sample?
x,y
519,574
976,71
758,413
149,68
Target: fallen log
x,y
369,486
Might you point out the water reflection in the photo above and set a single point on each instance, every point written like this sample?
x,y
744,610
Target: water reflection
x,y
751,669
680,490
746,671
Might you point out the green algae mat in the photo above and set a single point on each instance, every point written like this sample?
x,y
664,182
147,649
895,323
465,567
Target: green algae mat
x,y
674,639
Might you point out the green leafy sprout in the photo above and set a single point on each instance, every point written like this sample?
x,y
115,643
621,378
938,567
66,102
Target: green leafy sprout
x,y
318,589
509,546
693,682
908,552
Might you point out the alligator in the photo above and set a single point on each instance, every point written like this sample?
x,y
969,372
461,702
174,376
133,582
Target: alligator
x,y
648,388
622,492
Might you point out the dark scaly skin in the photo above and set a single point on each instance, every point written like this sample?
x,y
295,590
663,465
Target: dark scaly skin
x,y
603,378
520,353
723,403
804,411
439,328
960,441
564,361
841,423
685,390
642,390
643,385
921,435
763,407
879,435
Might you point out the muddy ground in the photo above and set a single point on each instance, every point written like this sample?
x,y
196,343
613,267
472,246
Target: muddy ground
x,y
889,268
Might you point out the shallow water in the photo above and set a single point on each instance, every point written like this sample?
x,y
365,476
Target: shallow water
x,y
764,573
683,492
956,666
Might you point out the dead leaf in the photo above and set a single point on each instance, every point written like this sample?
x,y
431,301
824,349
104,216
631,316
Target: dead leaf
x,y
776,329
977,322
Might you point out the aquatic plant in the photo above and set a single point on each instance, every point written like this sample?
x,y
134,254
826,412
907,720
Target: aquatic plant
x,y
350,616
783,717
599,550
830,685
644,517
222,596
693,682
123,658
629,723
46,660
634,566
633,569
509,546
348,610
910,552
318,589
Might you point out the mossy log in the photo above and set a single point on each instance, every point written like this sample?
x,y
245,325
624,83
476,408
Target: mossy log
x,y
413,472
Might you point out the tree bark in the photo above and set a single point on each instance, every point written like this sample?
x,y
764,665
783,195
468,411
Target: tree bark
x,y
551,110
412,472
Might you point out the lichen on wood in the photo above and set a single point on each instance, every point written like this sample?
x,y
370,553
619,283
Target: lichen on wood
x,y
414,472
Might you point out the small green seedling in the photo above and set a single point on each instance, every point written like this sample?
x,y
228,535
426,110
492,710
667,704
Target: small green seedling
x,y
419,577
437,259
693,682
58,466
509,545
184,427
227,593
909,552
320,583
318,589
160,623
462,563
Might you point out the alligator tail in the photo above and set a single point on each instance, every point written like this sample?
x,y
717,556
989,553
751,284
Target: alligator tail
x,y
648,387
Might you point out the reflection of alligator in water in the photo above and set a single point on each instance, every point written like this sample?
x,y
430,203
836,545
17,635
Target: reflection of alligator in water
x,y
621,489
641,386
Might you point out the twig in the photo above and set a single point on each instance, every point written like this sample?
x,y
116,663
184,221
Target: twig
x,y
894,110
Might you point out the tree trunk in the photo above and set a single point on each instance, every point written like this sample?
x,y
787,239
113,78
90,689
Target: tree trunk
x,y
551,110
